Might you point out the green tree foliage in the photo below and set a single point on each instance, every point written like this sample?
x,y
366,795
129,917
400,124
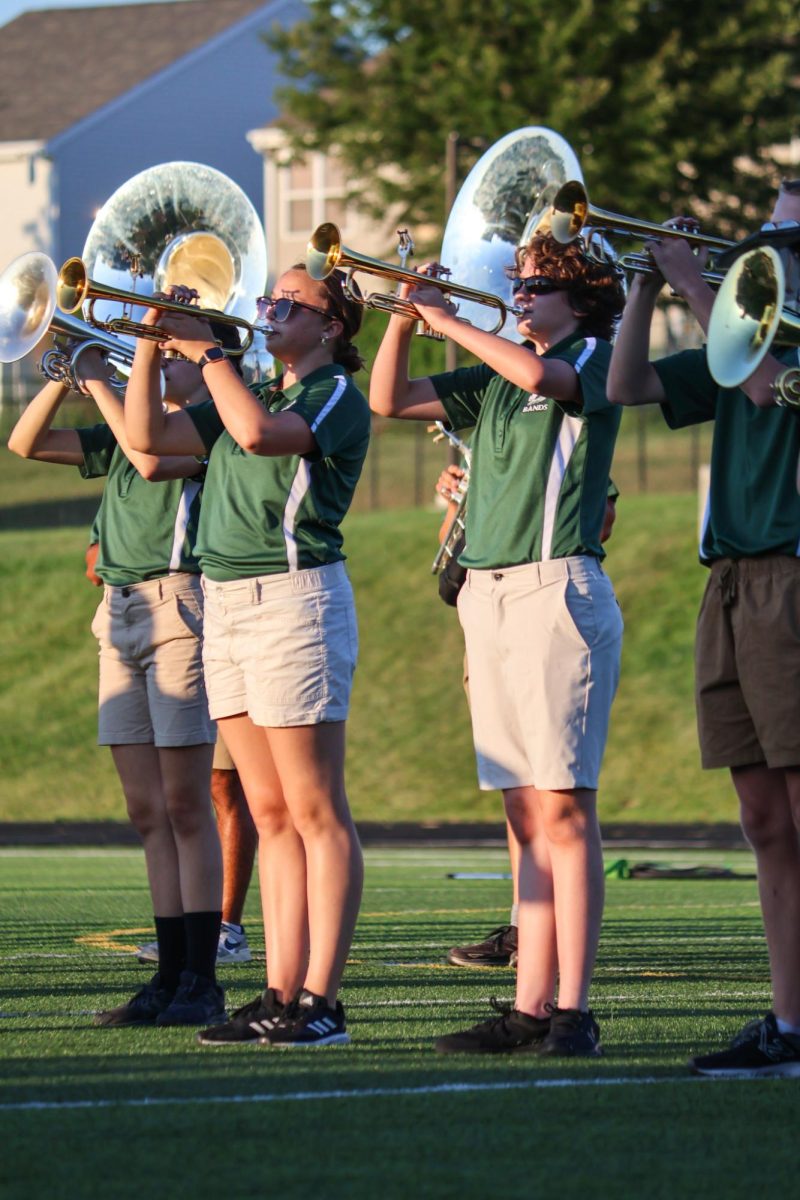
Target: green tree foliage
x,y
668,104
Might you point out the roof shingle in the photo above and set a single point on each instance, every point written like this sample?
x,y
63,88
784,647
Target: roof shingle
x,y
61,65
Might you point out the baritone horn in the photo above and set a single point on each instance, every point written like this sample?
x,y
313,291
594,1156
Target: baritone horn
x,y
326,253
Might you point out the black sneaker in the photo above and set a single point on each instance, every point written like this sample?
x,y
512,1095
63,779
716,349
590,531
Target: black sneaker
x,y
573,1034
308,1020
197,1001
496,950
759,1049
142,1009
247,1024
511,1031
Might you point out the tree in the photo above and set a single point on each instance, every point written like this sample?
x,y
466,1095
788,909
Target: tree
x,y
670,107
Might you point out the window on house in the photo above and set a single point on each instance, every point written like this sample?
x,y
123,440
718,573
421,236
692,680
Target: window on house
x,y
311,192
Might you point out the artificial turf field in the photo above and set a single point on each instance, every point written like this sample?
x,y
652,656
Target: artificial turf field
x,y
143,1112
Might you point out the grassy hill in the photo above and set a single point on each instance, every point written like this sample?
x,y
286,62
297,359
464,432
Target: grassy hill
x,y
410,755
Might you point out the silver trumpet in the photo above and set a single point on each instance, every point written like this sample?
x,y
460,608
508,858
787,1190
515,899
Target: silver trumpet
x,y
458,523
71,338
28,312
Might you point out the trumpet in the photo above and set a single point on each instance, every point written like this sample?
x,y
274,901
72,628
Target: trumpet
x,y
74,289
749,317
326,253
456,528
571,215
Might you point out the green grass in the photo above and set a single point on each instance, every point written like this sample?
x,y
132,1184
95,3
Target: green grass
x,y
410,754
121,1113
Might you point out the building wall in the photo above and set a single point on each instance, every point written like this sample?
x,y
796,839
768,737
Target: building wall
x,y
26,185
199,111
299,196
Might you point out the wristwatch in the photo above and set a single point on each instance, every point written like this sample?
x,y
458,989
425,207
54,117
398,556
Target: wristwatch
x,y
213,354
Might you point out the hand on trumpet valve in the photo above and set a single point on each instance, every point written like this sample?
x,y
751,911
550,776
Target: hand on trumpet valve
x,y
450,483
90,366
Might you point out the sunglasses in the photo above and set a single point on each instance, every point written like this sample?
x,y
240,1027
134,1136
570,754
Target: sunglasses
x,y
536,285
281,309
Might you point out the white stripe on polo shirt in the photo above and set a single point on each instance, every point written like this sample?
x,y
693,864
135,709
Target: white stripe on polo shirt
x,y
190,489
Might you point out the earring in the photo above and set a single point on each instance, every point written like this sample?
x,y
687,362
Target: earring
x,y
324,339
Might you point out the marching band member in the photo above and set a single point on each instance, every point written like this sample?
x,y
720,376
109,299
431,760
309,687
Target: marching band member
x,y
280,632
747,649
153,712
542,627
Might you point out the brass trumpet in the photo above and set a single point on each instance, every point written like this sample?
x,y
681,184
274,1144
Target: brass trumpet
x,y
326,253
571,215
74,289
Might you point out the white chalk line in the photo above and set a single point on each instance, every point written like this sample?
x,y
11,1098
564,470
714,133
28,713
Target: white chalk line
x,y
440,1089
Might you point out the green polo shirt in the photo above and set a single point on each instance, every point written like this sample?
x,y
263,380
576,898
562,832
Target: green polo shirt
x,y
540,468
753,505
145,530
264,514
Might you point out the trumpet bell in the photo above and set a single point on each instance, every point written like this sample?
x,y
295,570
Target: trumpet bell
x,y
27,304
324,251
748,317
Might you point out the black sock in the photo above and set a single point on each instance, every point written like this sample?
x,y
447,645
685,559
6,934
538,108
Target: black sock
x,y
202,940
171,934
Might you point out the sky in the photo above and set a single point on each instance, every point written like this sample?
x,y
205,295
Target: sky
x,y
12,8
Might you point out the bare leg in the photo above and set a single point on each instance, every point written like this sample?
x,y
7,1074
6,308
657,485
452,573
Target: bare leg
x,y
186,774
562,888
514,855
239,839
536,964
140,775
576,857
310,762
770,814
281,856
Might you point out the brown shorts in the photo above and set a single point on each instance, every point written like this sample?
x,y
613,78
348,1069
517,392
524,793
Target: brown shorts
x,y
747,663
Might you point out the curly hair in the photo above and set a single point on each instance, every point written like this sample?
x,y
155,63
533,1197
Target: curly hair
x,y
595,290
348,311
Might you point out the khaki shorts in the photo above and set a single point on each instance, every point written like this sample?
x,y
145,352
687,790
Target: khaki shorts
x,y
150,639
747,663
543,646
281,648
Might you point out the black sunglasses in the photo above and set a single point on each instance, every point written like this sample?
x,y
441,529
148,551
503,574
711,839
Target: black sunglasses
x,y
281,309
536,285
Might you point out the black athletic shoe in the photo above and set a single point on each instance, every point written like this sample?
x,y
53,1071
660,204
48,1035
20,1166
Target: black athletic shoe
x,y
247,1024
496,950
509,1032
142,1009
197,1001
307,1021
759,1049
573,1034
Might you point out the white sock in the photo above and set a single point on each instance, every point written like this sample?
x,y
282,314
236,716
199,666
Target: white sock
x,y
514,915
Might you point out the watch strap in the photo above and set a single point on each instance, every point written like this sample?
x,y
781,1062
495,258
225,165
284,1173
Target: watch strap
x,y
213,354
